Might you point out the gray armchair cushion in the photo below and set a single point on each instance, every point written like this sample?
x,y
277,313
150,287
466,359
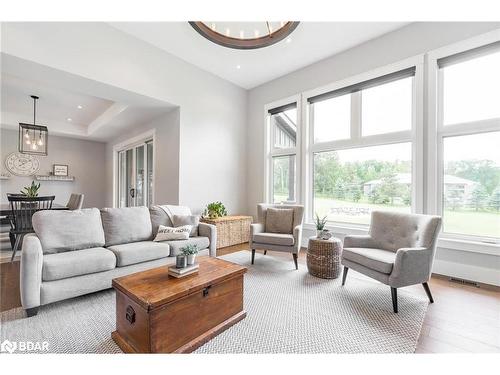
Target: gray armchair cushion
x,y
274,239
138,252
376,259
61,230
177,245
279,220
76,263
124,225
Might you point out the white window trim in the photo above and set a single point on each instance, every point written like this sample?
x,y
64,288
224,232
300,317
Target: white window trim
x,y
437,132
149,135
270,151
414,136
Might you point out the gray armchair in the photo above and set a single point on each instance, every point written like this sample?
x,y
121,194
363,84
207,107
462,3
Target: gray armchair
x,y
280,230
398,251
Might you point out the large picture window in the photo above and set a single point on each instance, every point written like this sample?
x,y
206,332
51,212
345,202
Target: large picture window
x,y
361,149
469,139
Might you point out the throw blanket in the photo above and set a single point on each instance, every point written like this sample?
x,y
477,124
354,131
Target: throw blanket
x,y
172,210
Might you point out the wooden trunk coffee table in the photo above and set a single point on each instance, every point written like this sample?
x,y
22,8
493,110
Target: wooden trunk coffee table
x,y
157,313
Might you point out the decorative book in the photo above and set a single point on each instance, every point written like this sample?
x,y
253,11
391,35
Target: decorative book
x,y
181,272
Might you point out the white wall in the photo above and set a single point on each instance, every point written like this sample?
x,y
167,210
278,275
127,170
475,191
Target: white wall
x,y
408,41
166,157
212,111
84,159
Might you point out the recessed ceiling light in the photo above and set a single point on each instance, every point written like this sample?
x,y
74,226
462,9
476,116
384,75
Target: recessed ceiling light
x,y
69,119
79,106
238,66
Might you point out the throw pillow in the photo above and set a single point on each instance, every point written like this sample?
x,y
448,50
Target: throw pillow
x,y
279,220
169,233
193,220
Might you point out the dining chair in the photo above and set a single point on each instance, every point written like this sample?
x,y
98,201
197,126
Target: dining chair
x,y
75,202
22,210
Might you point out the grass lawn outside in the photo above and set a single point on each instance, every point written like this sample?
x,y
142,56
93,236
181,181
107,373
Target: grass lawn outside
x,y
463,222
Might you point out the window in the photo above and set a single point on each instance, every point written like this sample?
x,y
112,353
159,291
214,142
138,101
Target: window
x,y
353,172
349,184
387,108
471,184
469,137
332,119
282,153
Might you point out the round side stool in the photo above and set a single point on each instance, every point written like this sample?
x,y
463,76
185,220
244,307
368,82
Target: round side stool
x,y
323,257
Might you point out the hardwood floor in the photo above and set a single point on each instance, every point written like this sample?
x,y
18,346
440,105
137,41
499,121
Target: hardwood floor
x,y
463,319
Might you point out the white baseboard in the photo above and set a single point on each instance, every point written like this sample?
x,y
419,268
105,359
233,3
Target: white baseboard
x,y
468,272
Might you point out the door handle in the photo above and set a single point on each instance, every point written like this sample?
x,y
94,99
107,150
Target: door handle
x,y
205,291
132,192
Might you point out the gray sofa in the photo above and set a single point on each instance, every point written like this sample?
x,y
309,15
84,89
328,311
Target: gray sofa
x,y
73,253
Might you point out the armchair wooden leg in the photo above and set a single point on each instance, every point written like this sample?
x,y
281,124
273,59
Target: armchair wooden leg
x,y
394,293
265,252
344,275
428,292
253,255
295,261
32,312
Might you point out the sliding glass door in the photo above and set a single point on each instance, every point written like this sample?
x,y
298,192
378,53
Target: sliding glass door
x,y
135,175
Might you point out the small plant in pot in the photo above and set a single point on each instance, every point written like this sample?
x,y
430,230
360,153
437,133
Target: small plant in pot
x,y
31,191
320,225
215,210
190,252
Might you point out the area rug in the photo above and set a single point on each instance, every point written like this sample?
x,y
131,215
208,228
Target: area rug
x,y
288,311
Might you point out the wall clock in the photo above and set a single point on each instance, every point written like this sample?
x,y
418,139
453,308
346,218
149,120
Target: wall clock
x,y
22,164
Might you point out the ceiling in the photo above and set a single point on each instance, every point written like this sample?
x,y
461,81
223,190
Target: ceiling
x,y
310,42
70,113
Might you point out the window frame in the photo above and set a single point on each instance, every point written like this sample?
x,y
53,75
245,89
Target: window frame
x,y
438,132
357,140
271,151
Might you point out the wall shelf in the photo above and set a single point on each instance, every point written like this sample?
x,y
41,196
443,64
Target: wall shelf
x,y
55,178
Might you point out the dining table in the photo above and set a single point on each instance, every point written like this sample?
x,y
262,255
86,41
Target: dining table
x,y
6,210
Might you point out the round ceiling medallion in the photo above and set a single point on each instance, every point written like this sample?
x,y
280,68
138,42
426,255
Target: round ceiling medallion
x,y
245,35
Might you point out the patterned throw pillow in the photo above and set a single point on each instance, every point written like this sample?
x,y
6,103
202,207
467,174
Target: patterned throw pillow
x,y
193,220
279,220
169,233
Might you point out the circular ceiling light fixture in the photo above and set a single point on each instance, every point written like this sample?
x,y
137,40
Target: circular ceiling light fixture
x,y
245,35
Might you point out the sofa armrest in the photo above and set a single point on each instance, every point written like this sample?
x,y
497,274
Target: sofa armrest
x,y
364,240
411,266
31,271
255,228
210,231
297,235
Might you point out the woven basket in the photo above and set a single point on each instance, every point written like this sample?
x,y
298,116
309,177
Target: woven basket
x,y
323,257
231,230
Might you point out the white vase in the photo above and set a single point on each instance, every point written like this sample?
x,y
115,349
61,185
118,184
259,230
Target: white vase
x,y
318,233
190,259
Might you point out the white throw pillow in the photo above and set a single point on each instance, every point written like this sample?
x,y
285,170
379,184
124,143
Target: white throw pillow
x,y
169,233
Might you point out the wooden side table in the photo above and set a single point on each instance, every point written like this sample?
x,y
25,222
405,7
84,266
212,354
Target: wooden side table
x,y
323,257
231,230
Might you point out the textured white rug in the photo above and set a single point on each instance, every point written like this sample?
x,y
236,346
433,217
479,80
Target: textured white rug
x,y
288,311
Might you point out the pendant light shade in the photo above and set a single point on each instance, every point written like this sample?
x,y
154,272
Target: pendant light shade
x,y
33,139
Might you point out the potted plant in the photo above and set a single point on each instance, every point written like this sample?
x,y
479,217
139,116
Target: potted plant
x,y
31,191
320,225
190,252
215,210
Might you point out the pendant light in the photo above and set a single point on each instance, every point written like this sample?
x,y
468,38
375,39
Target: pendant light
x,y
33,138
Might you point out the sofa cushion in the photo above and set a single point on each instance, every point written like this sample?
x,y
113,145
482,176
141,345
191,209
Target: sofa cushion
x,y
177,245
61,230
193,220
163,215
77,263
279,220
274,239
138,252
376,259
127,224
